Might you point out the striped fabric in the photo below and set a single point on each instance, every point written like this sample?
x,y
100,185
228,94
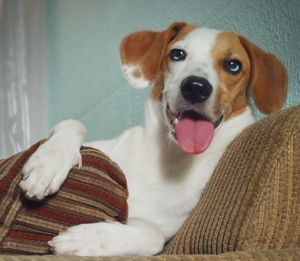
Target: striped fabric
x,y
253,199
95,192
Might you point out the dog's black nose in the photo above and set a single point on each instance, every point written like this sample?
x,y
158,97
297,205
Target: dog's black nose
x,y
195,89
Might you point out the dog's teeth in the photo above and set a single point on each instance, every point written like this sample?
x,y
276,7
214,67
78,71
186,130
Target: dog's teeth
x,y
176,121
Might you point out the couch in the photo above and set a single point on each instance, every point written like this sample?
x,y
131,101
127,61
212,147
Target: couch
x,y
250,209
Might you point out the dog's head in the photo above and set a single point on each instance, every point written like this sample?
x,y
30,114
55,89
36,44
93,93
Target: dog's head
x,y
201,76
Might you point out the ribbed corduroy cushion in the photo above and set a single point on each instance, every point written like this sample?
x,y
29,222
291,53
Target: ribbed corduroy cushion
x,y
253,198
258,255
95,192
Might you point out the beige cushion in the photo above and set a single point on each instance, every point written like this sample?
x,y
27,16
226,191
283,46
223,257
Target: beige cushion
x,y
253,198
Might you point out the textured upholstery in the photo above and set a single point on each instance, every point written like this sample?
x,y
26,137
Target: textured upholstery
x,y
253,198
95,192
260,255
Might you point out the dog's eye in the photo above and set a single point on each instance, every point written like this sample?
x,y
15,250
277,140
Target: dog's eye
x,y
177,55
232,66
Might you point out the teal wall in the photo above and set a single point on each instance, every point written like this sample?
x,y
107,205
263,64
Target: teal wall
x,y
85,80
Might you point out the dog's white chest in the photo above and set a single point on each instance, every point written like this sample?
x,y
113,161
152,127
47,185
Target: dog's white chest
x,y
164,191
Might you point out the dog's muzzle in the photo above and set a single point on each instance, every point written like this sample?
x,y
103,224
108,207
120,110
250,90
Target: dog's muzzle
x,y
192,128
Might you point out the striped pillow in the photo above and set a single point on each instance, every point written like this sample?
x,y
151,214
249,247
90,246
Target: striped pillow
x,y
95,192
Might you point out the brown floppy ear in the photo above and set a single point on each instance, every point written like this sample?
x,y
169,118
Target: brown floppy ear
x,y
142,55
268,78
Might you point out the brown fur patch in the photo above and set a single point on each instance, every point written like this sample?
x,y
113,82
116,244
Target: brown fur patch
x,y
231,95
268,78
137,74
261,71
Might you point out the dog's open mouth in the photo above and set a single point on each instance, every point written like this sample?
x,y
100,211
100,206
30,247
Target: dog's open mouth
x,y
193,131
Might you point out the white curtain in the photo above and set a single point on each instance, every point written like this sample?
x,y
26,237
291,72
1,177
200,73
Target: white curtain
x,y
22,74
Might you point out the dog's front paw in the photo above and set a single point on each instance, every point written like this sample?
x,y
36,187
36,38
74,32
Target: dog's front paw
x,y
137,237
98,239
48,167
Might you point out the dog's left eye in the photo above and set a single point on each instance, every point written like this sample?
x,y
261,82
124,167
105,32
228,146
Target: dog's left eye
x,y
177,55
233,66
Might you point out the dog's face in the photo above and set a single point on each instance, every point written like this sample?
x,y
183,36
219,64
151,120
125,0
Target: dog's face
x,y
201,76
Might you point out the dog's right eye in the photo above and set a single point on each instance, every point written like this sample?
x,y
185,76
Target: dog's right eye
x,y
177,55
233,66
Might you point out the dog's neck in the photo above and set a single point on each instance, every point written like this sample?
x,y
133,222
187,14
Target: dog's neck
x,y
154,119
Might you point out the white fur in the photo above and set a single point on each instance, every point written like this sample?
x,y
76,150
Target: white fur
x,y
198,45
137,82
164,183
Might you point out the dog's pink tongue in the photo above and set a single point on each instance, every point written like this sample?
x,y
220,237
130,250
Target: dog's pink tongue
x,y
194,136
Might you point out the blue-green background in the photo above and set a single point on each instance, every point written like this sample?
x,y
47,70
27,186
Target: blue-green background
x,y
84,77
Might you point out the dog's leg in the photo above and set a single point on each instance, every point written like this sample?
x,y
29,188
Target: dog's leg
x,y
49,166
137,237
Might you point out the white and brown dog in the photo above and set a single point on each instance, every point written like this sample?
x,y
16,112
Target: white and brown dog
x,y
198,105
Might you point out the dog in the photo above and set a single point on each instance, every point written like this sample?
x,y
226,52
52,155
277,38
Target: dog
x,y
200,79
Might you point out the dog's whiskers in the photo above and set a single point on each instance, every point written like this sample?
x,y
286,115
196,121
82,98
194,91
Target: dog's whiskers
x,y
169,139
179,116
